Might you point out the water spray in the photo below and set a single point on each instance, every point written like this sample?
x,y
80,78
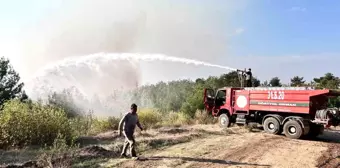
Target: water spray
x,y
91,68
92,60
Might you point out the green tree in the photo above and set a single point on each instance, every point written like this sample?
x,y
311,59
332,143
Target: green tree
x,y
194,101
328,81
265,84
229,80
10,87
23,96
256,82
64,101
297,81
183,95
232,80
199,81
275,82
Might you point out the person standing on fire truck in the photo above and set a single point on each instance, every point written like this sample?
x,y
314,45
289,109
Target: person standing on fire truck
x,y
249,77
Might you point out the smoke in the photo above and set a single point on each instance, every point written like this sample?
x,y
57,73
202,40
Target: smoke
x,y
185,29
81,27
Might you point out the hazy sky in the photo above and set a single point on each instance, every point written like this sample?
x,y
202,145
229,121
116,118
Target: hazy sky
x,y
274,38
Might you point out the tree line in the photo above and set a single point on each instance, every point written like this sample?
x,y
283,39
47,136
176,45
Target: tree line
x,y
187,95
25,122
178,95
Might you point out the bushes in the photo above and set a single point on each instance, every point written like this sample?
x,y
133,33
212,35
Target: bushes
x,y
32,123
103,125
149,118
90,125
193,102
114,122
202,117
152,118
176,119
24,124
81,125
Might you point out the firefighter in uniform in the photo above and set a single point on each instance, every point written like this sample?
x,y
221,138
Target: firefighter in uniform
x,y
129,121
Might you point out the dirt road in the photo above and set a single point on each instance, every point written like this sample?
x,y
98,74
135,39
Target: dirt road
x,y
202,146
241,148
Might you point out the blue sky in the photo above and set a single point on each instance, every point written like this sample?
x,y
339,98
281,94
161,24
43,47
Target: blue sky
x,y
274,38
289,27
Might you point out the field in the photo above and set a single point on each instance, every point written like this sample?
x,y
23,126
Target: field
x,y
195,146
179,133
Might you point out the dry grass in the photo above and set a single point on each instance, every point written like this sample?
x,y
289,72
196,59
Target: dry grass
x,y
155,119
152,139
151,119
202,117
109,146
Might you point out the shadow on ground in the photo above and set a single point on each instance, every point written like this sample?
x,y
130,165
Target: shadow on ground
x,y
328,136
332,136
86,141
204,160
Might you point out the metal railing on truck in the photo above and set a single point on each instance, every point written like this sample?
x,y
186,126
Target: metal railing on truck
x,y
279,88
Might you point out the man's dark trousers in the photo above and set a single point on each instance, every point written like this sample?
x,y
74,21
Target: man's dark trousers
x,y
129,142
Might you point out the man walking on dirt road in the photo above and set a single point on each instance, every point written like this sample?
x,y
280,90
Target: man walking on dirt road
x,y
130,120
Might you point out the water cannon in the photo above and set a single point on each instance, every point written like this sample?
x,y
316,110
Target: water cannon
x,y
241,75
245,70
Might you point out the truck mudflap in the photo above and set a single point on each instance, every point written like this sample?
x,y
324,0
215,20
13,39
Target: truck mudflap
x,y
305,126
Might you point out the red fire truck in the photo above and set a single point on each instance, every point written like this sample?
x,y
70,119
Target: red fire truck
x,y
295,111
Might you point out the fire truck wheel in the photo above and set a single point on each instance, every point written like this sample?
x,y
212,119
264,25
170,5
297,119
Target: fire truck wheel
x,y
292,129
271,125
224,120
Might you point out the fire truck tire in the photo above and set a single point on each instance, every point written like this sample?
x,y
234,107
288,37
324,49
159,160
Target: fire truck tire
x,y
271,125
292,129
224,120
